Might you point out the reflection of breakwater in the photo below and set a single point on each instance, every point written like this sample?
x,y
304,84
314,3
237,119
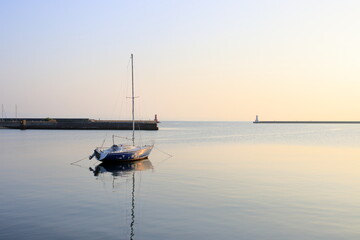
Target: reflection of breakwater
x,y
75,124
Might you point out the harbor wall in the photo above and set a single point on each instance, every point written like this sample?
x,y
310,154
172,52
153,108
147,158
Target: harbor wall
x,y
309,122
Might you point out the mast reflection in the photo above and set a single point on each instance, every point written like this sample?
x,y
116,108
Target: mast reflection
x,y
124,170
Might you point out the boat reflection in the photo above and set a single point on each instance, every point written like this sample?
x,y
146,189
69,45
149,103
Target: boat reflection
x,y
125,170
121,169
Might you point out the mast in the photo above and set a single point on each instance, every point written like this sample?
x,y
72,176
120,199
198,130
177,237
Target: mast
x,y
132,99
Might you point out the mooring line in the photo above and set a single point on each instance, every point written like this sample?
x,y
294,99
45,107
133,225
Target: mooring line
x,y
163,152
73,163
162,161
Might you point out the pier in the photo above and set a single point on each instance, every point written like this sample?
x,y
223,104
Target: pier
x,y
310,122
75,124
306,122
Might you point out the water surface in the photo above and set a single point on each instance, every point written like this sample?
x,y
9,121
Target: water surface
x,y
226,180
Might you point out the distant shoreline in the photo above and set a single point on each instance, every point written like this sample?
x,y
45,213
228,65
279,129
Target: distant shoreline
x,y
309,122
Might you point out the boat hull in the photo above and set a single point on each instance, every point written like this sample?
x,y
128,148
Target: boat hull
x,y
124,156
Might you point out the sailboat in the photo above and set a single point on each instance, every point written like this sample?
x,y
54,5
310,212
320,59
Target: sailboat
x,y
124,152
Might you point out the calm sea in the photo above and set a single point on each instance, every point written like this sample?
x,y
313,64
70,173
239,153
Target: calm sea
x,y
225,180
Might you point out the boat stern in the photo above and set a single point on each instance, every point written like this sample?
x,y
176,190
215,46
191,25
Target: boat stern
x,y
97,154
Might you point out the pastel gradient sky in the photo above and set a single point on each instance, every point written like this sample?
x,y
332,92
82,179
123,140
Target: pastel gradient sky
x,y
194,60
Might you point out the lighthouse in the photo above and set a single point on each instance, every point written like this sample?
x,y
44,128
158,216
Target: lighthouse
x,y
257,119
156,119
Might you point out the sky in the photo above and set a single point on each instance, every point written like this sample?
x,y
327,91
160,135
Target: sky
x,y
193,60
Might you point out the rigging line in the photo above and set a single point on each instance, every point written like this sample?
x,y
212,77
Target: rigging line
x,y
121,137
142,111
163,152
128,63
73,163
140,137
118,96
141,116
78,165
119,101
161,162
127,81
116,100
102,145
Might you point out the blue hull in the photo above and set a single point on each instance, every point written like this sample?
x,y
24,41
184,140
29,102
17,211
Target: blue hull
x,y
127,156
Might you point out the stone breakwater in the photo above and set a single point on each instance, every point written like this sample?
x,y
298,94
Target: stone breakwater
x,y
75,124
309,122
